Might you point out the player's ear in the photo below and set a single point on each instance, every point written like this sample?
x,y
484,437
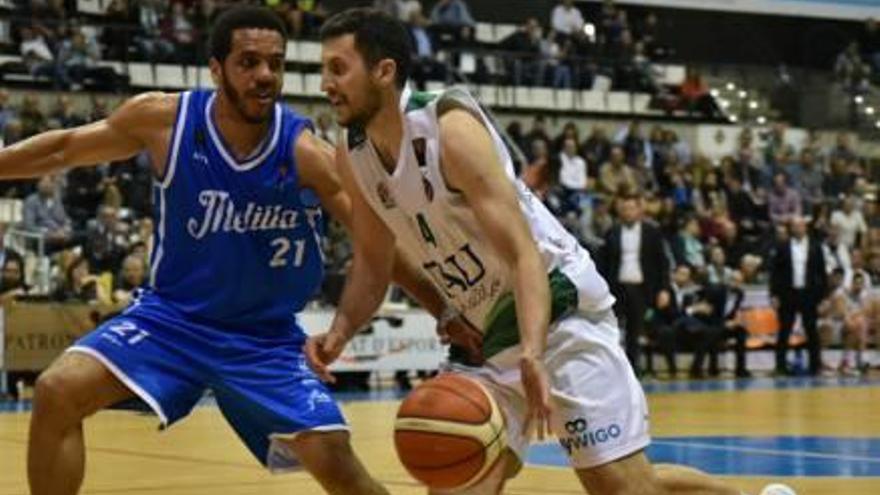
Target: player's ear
x,y
386,71
216,71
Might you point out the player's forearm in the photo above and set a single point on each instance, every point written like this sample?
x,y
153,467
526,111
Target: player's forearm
x,y
532,291
364,291
36,156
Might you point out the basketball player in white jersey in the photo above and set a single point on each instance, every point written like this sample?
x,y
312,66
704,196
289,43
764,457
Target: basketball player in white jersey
x,y
430,174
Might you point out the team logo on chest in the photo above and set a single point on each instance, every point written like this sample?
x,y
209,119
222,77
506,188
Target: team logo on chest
x,y
385,196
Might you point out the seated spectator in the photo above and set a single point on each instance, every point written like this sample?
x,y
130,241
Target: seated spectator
x,y
566,19
153,46
695,97
596,150
573,175
178,29
12,281
306,17
850,223
65,115
106,240
856,307
687,248
681,322
80,285
537,175
132,276
76,57
425,64
525,64
783,202
718,272
36,54
43,212
615,175
7,252
725,300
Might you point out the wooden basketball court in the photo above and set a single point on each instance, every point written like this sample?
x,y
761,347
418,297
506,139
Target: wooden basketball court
x,y
820,436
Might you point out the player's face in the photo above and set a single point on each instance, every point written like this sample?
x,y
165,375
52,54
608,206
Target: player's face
x,y
252,74
349,84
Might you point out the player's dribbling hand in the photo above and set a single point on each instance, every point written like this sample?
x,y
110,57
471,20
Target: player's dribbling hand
x,y
537,388
321,350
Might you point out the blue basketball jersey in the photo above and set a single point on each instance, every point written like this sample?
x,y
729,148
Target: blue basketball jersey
x,y
237,242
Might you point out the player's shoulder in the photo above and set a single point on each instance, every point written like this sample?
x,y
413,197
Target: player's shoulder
x,y
153,108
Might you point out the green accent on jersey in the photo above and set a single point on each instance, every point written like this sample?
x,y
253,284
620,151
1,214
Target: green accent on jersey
x,y
501,326
427,233
419,100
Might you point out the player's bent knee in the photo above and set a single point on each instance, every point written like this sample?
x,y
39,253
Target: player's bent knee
x,y
53,398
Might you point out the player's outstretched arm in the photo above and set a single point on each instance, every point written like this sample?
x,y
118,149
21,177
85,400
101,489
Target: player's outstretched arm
x,y
471,164
122,135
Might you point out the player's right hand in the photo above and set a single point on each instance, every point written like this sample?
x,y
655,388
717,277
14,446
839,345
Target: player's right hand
x,y
321,351
460,332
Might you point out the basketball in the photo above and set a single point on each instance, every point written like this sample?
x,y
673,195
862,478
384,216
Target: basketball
x,y
449,432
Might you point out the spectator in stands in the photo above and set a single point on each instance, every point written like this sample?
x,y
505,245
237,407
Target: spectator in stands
x,y
874,267
857,307
132,276
153,46
36,54
12,281
80,285
525,64
118,34
573,174
784,202
538,131
837,254
106,240
633,261
850,222
43,212
635,146
178,29
425,64
843,149
687,248
7,113
798,283
402,9
807,178
569,131
858,268
839,181
86,189
64,113
537,175
77,57
616,175
556,54
7,253
33,121
566,19
452,13
851,70
681,321
306,17
740,205
718,272
597,150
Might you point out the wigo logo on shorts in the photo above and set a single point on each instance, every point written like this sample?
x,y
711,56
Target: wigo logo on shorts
x,y
580,436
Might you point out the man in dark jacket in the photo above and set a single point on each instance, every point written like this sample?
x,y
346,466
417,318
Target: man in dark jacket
x,y
635,266
797,285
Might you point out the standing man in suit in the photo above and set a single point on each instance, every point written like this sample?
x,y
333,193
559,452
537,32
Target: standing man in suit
x,y
635,265
797,285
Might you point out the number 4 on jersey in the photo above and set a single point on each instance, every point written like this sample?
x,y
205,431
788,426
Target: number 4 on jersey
x,y
427,234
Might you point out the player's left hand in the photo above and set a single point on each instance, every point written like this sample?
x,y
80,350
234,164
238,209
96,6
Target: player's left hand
x,y
536,384
321,351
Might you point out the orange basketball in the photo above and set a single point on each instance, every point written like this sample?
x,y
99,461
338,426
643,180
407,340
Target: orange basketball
x,y
449,432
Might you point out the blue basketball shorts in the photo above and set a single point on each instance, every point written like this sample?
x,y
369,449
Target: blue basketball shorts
x,y
261,380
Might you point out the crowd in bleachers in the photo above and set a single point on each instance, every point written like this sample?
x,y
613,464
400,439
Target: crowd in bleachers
x,y
721,222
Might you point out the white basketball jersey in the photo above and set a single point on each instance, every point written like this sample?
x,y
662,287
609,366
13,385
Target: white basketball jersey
x,y
436,227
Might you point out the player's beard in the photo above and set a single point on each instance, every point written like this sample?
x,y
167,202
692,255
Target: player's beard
x,y
372,105
238,101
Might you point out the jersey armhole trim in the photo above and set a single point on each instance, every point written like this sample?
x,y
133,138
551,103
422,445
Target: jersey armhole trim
x,y
174,144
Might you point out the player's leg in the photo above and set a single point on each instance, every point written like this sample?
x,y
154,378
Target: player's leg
x,y
126,356
329,458
634,475
74,387
282,412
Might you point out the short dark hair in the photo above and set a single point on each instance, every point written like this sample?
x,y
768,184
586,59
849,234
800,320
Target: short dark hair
x,y
241,17
377,36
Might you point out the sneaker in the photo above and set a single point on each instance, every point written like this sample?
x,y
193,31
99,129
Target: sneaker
x,y
778,489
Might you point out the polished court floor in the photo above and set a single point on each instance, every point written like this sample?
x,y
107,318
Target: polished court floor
x,y
821,436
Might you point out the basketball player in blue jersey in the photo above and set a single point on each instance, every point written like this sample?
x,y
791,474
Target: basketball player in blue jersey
x,y
429,174
239,181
